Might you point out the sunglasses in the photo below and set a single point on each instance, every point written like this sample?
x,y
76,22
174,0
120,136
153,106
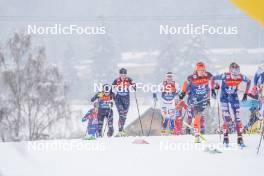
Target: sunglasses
x,y
235,71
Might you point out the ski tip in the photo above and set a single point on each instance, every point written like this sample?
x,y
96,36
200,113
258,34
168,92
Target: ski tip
x,y
226,145
212,150
140,141
242,146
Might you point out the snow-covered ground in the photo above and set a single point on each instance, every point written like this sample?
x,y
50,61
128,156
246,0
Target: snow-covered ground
x,y
170,155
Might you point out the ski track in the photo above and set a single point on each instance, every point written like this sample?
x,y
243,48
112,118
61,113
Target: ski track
x,y
119,156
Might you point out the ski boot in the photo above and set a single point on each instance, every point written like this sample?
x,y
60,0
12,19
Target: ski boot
x,y
226,140
202,131
89,137
164,132
188,131
197,139
240,141
171,132
110,132
99,133
121,134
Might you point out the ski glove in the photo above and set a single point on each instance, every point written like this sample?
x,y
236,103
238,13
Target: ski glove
x,y
213,94
134,87
244,97
182,95
217,87
154,95
208,103
256,97
111,104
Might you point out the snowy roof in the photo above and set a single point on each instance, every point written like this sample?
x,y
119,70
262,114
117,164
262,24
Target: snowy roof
x,y
236,50
126,56
129,65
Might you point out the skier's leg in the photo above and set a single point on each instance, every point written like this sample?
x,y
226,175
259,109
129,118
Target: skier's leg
x,y
95,126
110,131
89,127
198,109
121,113
226,117
126,104
92,127
178,126
203,105
123,106
197,125
235,107
190,115
165,118
100,117
203,123
172,119
197,121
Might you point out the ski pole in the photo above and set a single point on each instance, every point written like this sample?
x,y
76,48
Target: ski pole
x,y
218,115
106,124
139,117
86,131
261,136
152,116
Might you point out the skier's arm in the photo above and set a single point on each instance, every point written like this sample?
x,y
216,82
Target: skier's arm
x,y
114,82
248,81
256,77
95,97
87,116
84,118
184,105
185,87
214,78
132,83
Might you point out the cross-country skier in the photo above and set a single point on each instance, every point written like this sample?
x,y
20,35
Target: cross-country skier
x,y
258,88
168,94
253,118
105,102
122,86
198,90
92,126
179,106
229,96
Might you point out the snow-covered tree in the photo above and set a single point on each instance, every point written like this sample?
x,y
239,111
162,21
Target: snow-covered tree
x,y
34,99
